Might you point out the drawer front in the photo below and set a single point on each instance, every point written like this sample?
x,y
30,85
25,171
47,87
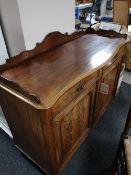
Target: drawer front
x,y
115,59
73,92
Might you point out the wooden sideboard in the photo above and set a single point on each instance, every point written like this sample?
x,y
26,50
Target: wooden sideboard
x,y
53,95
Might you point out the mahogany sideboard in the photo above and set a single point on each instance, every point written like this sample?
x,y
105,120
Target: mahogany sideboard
x,y
52,95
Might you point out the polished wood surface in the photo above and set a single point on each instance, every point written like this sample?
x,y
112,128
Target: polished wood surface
x,y
52,99
56,71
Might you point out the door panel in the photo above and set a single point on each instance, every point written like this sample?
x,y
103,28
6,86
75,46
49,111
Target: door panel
x,y
73,124
108,86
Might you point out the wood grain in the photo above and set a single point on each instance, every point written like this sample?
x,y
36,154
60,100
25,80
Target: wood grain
x,y
44,73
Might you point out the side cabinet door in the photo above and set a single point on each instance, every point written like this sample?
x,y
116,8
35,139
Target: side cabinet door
x,y
108,86
73,123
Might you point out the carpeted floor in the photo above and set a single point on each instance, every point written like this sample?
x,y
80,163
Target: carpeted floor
x,y
94,157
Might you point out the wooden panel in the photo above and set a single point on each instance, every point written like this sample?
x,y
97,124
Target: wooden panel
x,y
26,124
73,123
108,86
121,12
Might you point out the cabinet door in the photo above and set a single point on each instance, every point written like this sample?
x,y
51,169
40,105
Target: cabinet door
x,y
108,86
73,123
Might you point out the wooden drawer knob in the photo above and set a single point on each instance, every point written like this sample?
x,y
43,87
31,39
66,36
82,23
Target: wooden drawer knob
x,y
79,88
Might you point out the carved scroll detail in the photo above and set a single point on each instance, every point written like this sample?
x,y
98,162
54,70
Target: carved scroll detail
x,y
51,41
20,90
106,33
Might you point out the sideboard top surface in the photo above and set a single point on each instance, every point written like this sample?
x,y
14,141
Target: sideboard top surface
x,y
48,75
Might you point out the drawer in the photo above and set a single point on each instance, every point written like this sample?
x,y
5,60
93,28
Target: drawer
x,y
73,92
115,59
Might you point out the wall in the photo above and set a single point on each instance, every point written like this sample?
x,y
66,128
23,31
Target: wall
x,y
26,22
3,50
39,17
10,19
